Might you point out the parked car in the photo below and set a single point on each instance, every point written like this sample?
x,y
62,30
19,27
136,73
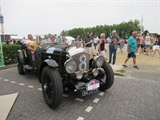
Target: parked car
x,y
61,67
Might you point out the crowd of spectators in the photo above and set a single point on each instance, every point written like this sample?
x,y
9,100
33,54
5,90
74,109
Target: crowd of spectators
x,y
137,44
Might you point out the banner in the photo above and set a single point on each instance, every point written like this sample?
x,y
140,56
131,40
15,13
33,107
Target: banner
x,y
1,54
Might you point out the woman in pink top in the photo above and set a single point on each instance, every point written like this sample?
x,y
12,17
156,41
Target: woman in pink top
x,y
121,44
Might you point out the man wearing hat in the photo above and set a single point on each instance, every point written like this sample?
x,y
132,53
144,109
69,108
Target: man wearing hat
x,y
113,46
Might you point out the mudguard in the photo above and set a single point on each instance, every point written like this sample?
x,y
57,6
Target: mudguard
x,y
20,56
47,62
51,63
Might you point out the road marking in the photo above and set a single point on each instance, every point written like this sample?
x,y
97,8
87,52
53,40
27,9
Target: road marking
x,y
80,118
79,99
96,100
89,108
30,86
65,95
21,84
6,80
40,89
0,78
101,93
13,82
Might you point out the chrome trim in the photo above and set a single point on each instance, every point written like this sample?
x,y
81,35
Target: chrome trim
x,y
66,64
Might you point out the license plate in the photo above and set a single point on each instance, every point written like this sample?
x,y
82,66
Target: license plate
x,y
84,92
91,87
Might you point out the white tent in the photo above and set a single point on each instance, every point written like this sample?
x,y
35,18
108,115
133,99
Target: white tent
x,y
69,40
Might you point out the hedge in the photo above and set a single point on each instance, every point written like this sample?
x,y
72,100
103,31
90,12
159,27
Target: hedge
x,y
10,53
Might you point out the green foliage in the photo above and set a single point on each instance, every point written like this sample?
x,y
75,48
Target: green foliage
x,y
123,29
10,53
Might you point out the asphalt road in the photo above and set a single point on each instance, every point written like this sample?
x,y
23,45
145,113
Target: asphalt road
x,y
134,97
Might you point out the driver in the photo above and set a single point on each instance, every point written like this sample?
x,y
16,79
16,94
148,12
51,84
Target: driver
x,y
31,45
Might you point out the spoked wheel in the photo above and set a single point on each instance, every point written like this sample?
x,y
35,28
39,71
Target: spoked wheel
x,y
52,87
106,76
48,88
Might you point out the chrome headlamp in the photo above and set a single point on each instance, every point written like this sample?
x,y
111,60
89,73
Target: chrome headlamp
x,y
95,72
79,75
70,66
99,60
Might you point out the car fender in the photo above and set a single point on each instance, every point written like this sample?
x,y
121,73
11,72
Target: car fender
x,y
47,62
20,56
51,63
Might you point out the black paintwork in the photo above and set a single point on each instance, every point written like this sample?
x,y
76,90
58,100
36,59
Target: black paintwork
x,y
55,55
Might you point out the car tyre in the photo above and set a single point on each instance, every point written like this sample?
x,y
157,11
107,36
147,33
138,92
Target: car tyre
x,y
109,77
20,67
52,87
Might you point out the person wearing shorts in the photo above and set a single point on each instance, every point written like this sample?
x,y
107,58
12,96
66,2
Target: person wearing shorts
x,y
157,46
88,44
101,46
131,55
132,45
142,46
147,43
121,40
138,43
152,43
142,43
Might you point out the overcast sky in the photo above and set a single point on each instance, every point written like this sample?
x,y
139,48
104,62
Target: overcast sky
x,y
50,16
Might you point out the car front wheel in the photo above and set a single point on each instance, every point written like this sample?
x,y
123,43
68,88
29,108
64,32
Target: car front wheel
x,y
52,87
106,76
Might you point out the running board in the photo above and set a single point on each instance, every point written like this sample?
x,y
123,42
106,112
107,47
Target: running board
x,y
27,67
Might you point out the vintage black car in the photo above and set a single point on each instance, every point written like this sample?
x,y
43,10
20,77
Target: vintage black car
x,y
61,67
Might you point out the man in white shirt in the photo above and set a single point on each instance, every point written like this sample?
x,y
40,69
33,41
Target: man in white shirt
x,y
23,41
147,43
95,40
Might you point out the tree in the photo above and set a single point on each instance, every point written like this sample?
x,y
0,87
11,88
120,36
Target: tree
x,y
123,29
64,33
